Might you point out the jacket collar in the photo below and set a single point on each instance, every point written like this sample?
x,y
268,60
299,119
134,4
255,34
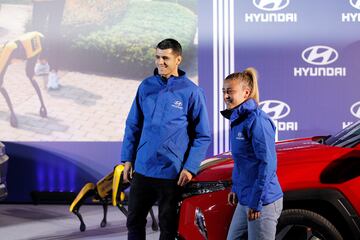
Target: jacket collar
x,y
240,111
181,73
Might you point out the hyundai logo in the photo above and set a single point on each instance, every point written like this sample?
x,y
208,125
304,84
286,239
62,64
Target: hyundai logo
x,y
355,109
319,55
271,5
178,103
355,3
275,109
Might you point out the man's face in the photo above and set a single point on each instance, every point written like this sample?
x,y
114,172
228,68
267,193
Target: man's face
x,y
167,62
234,93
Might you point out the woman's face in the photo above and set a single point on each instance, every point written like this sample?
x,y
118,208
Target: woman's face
x,y
234,93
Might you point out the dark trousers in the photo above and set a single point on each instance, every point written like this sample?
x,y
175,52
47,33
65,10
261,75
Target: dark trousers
x,y
144,192
46,18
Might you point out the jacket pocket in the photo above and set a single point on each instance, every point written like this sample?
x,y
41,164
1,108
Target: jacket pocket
x,y
173,149
141,146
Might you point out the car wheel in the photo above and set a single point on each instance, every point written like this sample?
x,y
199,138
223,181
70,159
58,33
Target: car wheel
x,y
300,224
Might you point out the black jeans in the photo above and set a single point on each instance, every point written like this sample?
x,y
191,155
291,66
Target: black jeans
x,y
144,192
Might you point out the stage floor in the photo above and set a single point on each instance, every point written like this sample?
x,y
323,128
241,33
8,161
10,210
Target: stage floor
x,y
52,222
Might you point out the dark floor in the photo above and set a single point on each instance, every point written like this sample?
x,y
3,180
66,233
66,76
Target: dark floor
x,y
50,222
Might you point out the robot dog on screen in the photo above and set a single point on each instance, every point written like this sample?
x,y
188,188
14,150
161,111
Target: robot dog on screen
x,y
27,47
108,190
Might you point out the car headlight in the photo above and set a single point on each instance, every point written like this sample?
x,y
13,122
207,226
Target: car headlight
x,y
200,223
196,188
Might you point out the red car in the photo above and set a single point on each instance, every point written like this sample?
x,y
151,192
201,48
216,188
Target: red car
x,y
320,177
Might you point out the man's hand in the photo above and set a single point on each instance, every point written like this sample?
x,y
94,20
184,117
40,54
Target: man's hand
x,y
232,199
185,177
127,172
253,214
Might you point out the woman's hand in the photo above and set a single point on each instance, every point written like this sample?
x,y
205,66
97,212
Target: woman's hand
x,y
253,214
232,199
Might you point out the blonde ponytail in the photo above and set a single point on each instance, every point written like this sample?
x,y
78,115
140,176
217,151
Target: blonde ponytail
x,y
253,83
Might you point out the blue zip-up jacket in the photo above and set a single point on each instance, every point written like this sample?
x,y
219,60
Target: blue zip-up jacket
x,y
167,128
253,148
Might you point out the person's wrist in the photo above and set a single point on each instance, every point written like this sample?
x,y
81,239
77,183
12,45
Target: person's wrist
x,y
188,172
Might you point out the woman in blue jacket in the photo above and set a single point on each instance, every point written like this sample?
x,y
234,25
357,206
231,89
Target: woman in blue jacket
x,y
256,191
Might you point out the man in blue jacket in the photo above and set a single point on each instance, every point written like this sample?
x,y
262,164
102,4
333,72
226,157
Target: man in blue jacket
x,y
166,137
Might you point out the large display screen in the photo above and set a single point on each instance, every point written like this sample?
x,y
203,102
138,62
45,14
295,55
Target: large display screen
x,y
66,89
101,51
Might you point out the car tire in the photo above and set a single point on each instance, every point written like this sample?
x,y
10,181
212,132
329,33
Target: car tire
x,y
300,224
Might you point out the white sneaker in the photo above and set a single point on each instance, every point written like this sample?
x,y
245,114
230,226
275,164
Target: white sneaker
x,y
53,81
41,69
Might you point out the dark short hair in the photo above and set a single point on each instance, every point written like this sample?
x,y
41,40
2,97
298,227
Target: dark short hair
x,y
172,44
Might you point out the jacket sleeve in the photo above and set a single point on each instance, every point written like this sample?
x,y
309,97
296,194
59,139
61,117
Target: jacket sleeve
x,y
133,129
263,143
199,132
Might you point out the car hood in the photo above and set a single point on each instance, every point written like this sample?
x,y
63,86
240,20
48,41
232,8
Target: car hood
x,y
219,168
298,144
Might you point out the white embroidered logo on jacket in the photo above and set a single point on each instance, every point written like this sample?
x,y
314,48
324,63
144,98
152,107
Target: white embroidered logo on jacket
x,y
177,104
240,136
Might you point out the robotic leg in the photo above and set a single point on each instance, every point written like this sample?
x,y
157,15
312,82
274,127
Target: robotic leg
x,y
108,190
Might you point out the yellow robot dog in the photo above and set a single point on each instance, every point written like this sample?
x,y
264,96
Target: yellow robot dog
x,y
26,47
110,189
